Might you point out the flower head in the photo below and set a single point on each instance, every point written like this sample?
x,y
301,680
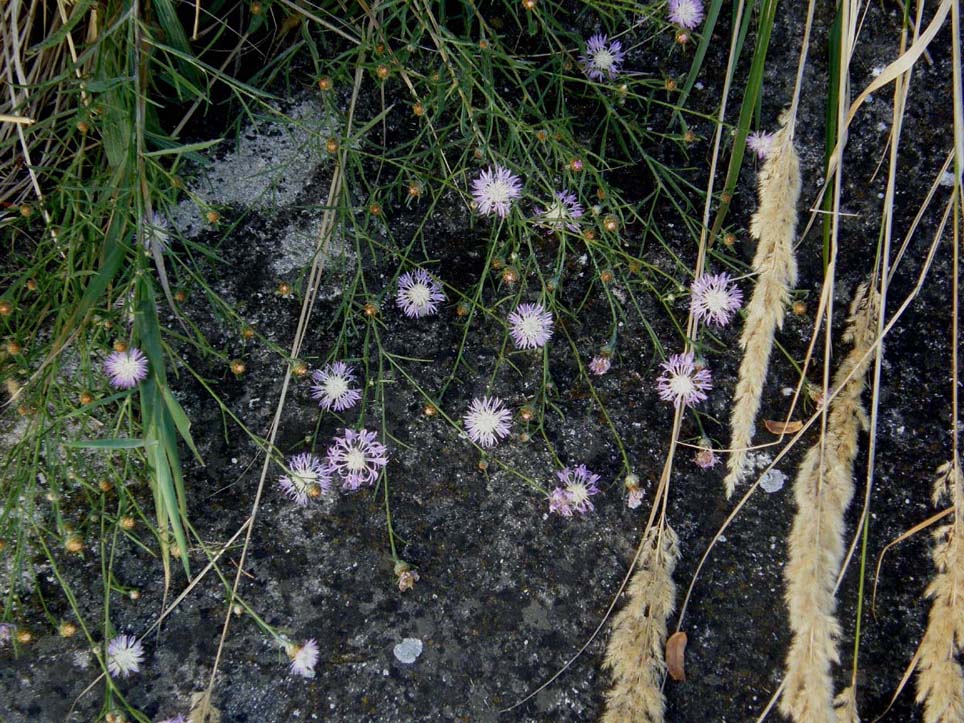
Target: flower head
x,y
760,143
680,382
495,189
487,421
714,299
705,457
686,13
7,631
126,369
357,457
600,365
332,387
561,213
124,655
634,499
307,477
580,485
531,326
303,658
156,235
559,502
603,58
418,294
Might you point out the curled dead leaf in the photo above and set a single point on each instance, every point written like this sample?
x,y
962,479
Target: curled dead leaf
x,y
675,651
782,427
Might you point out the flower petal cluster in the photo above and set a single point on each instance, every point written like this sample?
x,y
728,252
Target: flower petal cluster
x,y
307,477
603,58
357,457
714,299
418,294
487,421
333,387
124,655
760,143
303,658
600,365
494,191
578,485
126,369
561,213
530,326
686,13
681,383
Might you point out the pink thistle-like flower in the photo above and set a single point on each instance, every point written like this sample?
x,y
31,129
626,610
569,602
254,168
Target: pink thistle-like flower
x,y
760,143
600,365
303,658
559,502
307,477
418,294
634,499
531,326
332,387
714,299
357,457
705,457
603,57
561,213
495,190
686,13
487,421
680,382
124,655
126,369
580,485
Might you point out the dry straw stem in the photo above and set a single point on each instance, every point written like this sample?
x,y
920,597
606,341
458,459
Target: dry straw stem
x,y
774,225
823,490
940,680
846,706
635,652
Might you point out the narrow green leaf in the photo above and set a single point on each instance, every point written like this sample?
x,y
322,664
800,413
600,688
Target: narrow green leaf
x,y
106,443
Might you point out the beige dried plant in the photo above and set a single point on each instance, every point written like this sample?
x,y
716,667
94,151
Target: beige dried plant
x,y
635,652
823,490
940,680
774,226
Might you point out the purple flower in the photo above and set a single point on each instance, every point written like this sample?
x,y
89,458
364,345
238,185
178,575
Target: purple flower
x,y
600,365
559,502
487,421
680,382
760,143
6,633
603,57
686,13
307,477
156,234
531,326
357,457
580,485
126,369
124,655
715,298
303,658
634,499
494,190
561,213
418,294
705,457
332,387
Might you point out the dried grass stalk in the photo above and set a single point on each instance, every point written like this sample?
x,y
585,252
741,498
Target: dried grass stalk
x,y
635,652
846,706
940,680
774,225
823,490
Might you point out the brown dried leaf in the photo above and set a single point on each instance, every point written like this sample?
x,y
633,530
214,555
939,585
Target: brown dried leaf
x,y
782,427
675,651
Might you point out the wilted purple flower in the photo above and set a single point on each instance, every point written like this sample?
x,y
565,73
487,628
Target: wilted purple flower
x,y
580,485
559,502
561,213
307,477
357,457
418,294
714,299
303,658
760,143
686,13
634,499
531,326
124,655
705,457
600,365
487,421
495,189
603,57
332,387
126,369
680,382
